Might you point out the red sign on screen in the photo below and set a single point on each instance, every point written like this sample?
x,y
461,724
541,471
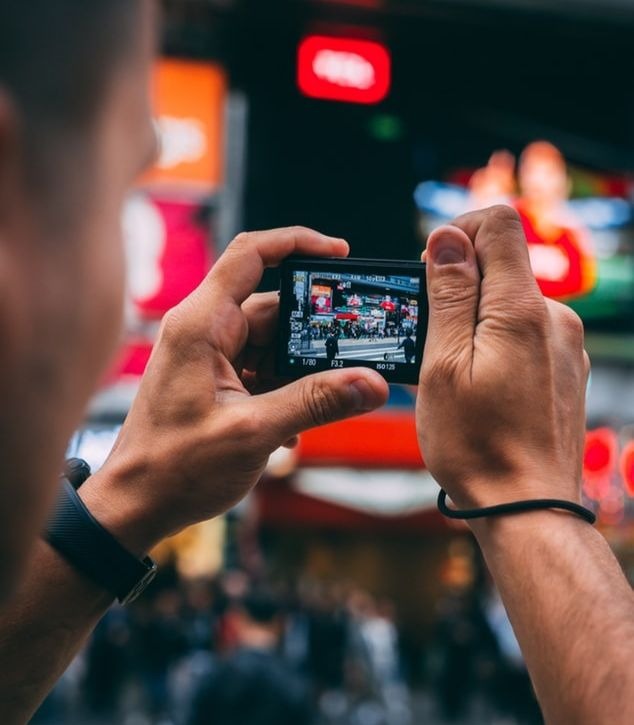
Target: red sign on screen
x,y
343,69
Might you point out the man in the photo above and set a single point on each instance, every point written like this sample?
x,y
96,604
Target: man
x,y
408,346
75,129
254,684
559,247
332,346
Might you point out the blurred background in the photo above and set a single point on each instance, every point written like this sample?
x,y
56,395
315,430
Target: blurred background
x,y
375,120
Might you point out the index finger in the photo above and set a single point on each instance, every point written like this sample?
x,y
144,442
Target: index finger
x,y
502,251
239,270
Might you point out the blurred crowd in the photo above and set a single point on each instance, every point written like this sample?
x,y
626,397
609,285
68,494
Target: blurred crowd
x,y
232,650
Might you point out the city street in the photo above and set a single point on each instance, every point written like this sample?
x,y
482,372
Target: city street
x,y
236,488
366,349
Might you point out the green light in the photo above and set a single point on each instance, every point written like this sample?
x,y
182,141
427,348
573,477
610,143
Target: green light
x,y
385,127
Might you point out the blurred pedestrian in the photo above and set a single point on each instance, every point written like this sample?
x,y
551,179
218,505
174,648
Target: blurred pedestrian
x,y
160,643
108,665
253,685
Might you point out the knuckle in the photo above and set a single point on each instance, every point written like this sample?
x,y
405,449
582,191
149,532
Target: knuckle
x,y
298,229
450,290
566,321
571,322
503,214
241,240
502,224
587,364
232,256
296,233
237,246
171,325
321,402
530,321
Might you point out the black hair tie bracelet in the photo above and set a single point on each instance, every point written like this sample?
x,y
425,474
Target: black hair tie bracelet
x,y
514,508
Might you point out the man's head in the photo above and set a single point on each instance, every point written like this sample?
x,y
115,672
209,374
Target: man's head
x,y
542,173
75,130
259,620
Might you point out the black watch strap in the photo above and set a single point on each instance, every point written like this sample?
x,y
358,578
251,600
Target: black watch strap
x,y
75,533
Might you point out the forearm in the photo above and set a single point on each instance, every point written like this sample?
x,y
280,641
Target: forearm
x,y
56,608
572,610
41,630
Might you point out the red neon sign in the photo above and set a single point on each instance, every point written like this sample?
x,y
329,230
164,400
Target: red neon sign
x,y
343,69
600,455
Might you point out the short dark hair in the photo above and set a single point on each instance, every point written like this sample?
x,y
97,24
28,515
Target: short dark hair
x,y
261,606
55,59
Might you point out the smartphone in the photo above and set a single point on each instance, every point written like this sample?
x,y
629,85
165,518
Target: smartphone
x,y
341,313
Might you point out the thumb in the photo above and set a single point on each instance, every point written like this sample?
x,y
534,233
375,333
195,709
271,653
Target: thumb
x,y
453,289
319,399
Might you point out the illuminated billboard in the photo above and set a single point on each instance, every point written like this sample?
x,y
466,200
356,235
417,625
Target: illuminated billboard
x,y
189,102
343,69
166,220
579,225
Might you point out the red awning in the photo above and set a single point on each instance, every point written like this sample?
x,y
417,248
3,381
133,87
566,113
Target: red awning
x,y
280,506
384,439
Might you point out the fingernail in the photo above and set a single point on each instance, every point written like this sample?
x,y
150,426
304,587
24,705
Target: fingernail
x,y
364,397
448,250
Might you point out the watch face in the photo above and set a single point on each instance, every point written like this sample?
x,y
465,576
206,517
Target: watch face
x,y
143,583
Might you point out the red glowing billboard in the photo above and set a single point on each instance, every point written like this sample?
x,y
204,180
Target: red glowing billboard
x,y
168,255
343,69
579,225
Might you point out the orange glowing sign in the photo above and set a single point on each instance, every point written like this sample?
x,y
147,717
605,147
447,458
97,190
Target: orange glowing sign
x,y
189,98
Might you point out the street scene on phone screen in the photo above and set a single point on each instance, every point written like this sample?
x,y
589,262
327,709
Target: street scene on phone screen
x,y
342,316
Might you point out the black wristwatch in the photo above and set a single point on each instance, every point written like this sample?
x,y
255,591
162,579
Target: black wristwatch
x,y
75,533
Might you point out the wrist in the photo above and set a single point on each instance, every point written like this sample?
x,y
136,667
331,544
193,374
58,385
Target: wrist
x,y
494,491
483,492
109,496
498,533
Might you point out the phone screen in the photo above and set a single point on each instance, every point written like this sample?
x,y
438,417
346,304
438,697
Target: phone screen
x,y
352,312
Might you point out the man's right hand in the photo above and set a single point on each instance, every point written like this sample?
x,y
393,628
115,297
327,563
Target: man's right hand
x,y
500,412
209,411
